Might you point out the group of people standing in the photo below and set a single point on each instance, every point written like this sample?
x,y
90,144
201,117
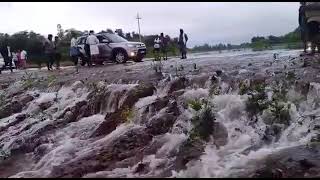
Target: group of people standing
x,y
19,58
161,46
52,52
53,55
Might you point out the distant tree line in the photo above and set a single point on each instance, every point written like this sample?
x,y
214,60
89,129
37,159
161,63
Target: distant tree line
x,y
290,40
219,47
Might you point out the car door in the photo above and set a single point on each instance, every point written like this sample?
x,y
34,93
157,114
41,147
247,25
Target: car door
x,y
80,43
104,47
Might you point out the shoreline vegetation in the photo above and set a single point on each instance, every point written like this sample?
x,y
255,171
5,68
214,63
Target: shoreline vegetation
x,y
32,43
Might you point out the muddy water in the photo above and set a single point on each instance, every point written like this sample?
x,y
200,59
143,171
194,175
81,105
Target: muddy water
x,y
109,122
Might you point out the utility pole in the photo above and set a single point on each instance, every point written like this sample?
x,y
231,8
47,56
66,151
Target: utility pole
x,y
138,18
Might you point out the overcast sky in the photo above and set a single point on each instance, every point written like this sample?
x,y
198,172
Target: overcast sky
x,y
205,22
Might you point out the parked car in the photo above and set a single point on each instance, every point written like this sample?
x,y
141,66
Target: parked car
x,y
114,48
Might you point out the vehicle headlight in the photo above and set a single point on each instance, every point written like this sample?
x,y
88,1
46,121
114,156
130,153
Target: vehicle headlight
x,y
309,45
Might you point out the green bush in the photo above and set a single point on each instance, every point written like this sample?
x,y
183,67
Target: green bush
x,y
195,104
203,124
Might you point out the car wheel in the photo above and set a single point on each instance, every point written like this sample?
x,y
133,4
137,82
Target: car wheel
x,y
120,56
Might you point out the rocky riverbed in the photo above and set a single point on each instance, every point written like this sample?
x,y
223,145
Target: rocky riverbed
x,y
234,114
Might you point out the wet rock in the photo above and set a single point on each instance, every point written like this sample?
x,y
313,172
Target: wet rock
x,y
112,120
140,168
110,123
303,87
159,104
160,125
316,138
10,108
45,105
293,162
316,127
269,173
28,144
154,145
40,151
125,146
219,73
173,108
214,79
189,150
199,81
25,99
140,91
129,162
163,122
76,85
74,113
272,132
180,83
153,108
178,93
220,134
312,173
4,86
20,118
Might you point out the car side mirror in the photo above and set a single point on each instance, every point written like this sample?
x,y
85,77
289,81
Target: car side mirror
x,y
105,41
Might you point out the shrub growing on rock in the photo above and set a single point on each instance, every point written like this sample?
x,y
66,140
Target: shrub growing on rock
x,y
195,104
203,123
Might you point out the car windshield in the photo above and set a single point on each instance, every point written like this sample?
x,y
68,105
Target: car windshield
x,y
115,38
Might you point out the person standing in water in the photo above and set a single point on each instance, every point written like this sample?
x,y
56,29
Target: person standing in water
x,y
74,51
156,48
23,59
15,59
303,25
57,54
93,42
164,46
49,52
183,38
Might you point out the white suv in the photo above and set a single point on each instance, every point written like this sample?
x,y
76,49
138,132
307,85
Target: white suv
x,y
115,48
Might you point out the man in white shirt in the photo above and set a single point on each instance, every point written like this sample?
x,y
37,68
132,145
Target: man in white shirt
x,y
156,48
93,42
23,57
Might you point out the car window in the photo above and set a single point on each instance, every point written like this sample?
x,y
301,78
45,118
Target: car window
x,y
81,40
102,37
115,38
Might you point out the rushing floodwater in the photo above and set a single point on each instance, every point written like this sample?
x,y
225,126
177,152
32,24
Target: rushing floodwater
x,y
74,140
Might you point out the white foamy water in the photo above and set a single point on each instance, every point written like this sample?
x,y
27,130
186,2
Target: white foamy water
x,y
73,141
